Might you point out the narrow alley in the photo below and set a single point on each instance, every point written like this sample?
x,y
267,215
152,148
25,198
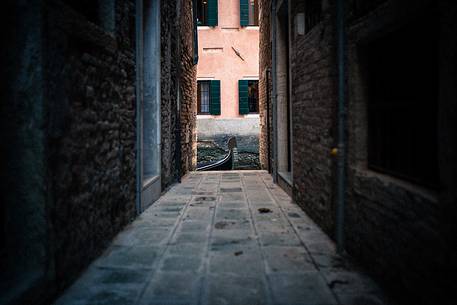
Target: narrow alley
x,y
232,152
223,238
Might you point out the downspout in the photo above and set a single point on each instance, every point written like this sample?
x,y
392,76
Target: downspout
x,y
268,76
341,183
273,81
138,99
178,98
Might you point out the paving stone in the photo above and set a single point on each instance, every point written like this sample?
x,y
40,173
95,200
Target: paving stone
x,y
198,213
279,239
190,237
205,242
303,289
245,262
105,286
244,224
194,225
288,260
234,214
187,249
182,263
172,288
234,205
228,289
129,257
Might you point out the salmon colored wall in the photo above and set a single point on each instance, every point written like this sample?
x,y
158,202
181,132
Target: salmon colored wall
x,y
217,60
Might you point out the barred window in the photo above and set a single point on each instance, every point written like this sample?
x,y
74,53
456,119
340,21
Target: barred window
x,y
203,97
313,14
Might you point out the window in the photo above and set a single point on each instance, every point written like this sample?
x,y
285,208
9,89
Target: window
x,y
249,12
207,12
203,97
313,14
402,71
209,97
87,8
248,95
253,12
253,96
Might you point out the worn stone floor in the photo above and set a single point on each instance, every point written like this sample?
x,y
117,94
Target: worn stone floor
x,y
223,238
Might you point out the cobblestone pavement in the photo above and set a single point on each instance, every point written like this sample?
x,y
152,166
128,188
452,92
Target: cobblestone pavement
x,y
223,238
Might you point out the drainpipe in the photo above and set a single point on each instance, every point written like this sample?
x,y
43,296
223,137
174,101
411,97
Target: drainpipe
x,y
138,100
178,98
268,77
273,81
341,183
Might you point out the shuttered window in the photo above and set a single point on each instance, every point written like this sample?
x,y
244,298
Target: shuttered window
x,y
248,96
207,12
215,93
249,12
243,96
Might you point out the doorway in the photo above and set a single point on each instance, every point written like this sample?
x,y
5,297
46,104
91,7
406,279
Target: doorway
x,y
283,98
148,103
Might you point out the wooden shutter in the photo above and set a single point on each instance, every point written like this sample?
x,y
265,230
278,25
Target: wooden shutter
x,y
215,92
243,96
212,12
244,12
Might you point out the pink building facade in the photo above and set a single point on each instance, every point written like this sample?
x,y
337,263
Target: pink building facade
x,y
228,52
228,73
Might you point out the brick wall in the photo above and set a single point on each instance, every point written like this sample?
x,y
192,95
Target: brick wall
x,y
90,111
176,31
265,84
314,98
401,232
188,92
68,180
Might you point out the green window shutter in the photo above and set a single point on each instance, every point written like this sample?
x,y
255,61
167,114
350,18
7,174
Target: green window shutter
x,y
244,12
212,12
215,102
243,96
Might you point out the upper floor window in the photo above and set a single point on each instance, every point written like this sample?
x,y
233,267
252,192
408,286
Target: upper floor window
x,y
313,14
207,12
249,12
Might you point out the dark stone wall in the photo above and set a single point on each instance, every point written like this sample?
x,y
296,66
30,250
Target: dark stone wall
x,y
265,85
401,232
188,113
90,125
169,36
68,131
178,69
314,97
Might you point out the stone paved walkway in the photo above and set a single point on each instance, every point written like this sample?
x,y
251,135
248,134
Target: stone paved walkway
x,y
206,242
